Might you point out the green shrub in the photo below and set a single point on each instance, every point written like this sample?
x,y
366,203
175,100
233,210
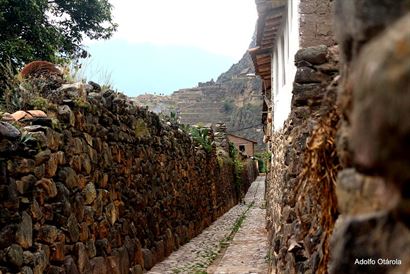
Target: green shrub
x,y
228,106
238,164
220,161
200,135
173,116
262,166
233,151
40,103
263,160
141,129
80,103
9,85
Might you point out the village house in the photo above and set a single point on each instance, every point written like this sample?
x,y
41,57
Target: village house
x,y
283,27
244,145
294,40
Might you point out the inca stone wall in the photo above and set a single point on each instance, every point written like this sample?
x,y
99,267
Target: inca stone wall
x,y
373,188
297,194
103,186
338,195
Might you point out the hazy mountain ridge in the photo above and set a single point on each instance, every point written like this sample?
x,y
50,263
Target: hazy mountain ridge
x,y
234,98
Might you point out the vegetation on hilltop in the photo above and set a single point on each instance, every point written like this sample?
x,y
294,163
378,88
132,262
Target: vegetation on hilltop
x,y
50,30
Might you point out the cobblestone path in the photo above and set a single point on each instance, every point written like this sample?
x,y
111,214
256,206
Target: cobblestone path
x,y
247,253
234,244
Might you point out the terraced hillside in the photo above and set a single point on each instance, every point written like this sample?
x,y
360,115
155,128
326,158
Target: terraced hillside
x,y
234,98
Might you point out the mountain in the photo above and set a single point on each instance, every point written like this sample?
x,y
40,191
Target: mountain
x,y
234,99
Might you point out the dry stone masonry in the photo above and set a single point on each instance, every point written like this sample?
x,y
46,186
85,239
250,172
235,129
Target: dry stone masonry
x,y
94,184
338,190
99,185
373,188
296,193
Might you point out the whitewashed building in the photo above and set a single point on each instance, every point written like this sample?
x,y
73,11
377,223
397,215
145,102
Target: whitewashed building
x,y
285,26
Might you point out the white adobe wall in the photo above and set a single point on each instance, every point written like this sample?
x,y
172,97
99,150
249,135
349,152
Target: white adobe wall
x,y
283,67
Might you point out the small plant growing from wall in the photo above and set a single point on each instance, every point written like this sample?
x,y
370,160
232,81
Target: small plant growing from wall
x,y
10,97
81,103
173,117
141,128
201,136
19,91
238,165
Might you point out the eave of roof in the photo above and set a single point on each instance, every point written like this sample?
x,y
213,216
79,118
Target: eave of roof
x,y
270,20
249,140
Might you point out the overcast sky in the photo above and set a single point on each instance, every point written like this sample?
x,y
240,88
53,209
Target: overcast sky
x,y
154,35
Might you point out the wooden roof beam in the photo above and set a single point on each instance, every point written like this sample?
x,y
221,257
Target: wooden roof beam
x,y
274,17
270,32
266,62
264,59
263,55
272,24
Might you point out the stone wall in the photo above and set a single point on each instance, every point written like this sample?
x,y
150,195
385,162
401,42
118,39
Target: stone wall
x,y
297,193
316,23
103,186
338,195
373,187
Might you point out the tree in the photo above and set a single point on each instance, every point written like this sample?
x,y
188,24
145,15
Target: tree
x,y
51,30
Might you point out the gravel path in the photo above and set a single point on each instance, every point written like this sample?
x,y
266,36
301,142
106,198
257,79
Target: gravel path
x,y
247,249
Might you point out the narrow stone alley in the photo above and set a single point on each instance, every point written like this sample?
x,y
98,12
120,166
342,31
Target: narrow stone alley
x,y
234,244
